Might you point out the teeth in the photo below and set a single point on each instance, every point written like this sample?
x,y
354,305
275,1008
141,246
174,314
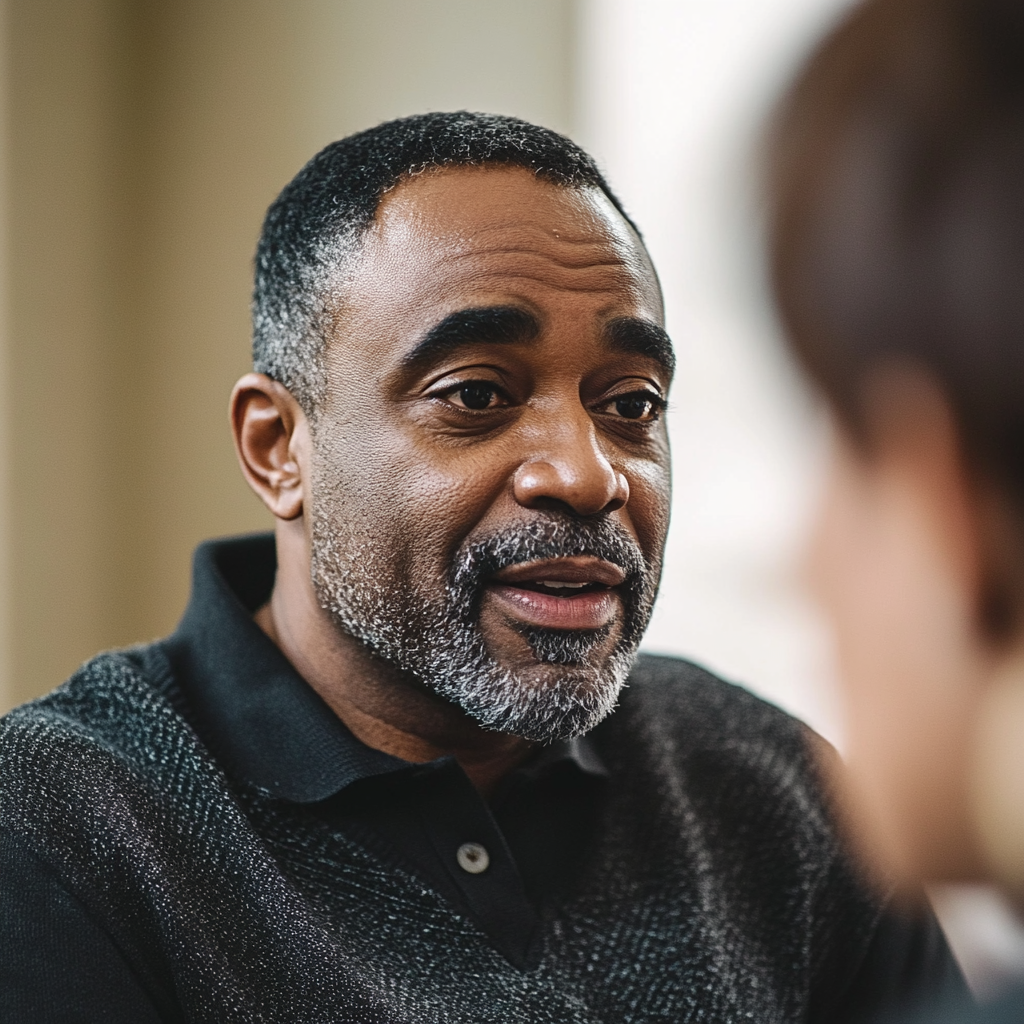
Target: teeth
x,y
556,584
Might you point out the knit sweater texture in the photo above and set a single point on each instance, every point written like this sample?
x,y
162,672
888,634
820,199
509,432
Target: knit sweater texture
x,y
714,890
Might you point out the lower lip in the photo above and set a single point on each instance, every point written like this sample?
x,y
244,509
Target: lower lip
x,y
591,610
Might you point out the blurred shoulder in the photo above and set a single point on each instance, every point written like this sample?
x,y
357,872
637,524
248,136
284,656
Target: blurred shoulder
x,y
1007,1009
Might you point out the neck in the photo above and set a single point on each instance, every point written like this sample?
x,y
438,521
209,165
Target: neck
x,y
383,707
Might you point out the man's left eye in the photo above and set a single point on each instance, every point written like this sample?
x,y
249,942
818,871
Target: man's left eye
x,y
475,394
637,405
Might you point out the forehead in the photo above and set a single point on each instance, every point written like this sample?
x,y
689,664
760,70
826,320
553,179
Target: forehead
x,y
454,237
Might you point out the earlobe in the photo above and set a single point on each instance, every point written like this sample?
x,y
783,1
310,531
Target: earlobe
x,y
269,430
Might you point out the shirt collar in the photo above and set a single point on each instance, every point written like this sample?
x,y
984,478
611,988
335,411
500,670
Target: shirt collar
x,y
260,718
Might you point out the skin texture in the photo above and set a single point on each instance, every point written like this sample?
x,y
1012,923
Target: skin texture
x,y
415,469
909,550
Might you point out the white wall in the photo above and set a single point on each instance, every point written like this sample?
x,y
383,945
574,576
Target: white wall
x,y
671,96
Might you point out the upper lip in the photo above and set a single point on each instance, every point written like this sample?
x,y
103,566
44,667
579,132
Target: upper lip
x,y
573,569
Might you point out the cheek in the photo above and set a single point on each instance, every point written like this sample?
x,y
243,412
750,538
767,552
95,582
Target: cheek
x,y
650,503
902,631
413,503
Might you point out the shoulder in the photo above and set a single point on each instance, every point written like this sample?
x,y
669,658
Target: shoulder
x,y
100,745
111,702
719,751
677,698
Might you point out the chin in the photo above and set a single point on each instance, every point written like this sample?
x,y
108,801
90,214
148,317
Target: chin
x,y
583,682
546,700
539,701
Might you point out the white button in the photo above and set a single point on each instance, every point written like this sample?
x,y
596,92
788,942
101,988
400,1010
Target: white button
x,y
472,857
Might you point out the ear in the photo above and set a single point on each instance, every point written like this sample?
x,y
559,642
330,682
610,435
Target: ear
x,y
271,435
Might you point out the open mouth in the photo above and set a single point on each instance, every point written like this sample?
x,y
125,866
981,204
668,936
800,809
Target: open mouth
x,y
558,588
580,592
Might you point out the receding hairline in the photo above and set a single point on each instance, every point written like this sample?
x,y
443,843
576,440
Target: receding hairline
x,y
317,226
433,172
609,210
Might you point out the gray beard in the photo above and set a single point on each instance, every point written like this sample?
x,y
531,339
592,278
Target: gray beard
x,y
440,642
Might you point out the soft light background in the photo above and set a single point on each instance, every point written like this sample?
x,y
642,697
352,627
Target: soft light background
x,y
672,98
140,143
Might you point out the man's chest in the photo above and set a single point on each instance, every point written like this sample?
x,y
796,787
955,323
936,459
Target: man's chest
x,y
642,933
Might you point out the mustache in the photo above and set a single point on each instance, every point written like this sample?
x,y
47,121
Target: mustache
x,y
555,535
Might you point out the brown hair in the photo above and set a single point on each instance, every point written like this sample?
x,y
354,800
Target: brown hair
x,y
896,212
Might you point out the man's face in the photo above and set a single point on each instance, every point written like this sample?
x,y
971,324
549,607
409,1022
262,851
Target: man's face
x,y
490,491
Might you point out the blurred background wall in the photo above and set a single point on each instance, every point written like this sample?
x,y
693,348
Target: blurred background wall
x,y
672,97
141,142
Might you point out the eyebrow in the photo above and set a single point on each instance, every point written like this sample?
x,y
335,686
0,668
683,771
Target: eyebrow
x,y
631,334
510,325
482,325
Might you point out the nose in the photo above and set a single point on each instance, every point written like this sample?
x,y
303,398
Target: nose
x,y
572,473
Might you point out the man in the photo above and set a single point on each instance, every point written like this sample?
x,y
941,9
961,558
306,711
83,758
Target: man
x,y
373,775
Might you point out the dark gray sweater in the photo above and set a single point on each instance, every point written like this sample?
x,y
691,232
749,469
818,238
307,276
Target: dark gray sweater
x,y
712,888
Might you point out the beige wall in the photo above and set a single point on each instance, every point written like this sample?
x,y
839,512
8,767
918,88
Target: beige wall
x,y
141,144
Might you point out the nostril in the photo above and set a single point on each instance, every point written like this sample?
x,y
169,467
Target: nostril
x,y
586,490
620,494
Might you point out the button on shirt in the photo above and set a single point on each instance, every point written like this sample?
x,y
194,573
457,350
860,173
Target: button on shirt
x,y
495,860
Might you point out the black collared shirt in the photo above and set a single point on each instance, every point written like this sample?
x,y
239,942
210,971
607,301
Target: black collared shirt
x,y
187,833
270,729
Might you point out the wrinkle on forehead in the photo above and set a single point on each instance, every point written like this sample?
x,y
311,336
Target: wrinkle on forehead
x,y
581,262
512,225
480,208
593,279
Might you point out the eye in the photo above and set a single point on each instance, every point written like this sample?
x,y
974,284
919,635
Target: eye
x,y
644,406
476,395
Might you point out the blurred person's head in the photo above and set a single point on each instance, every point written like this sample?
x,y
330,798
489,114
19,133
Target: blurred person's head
x,y
896,238
456,419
